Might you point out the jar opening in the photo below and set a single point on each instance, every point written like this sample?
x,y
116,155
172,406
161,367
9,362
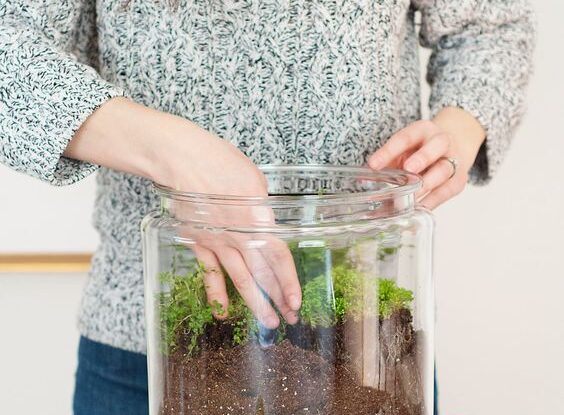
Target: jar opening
x,y
313,185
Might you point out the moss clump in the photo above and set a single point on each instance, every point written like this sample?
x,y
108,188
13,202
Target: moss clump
x,y
185,310
332,291
317,303
326,303
392,298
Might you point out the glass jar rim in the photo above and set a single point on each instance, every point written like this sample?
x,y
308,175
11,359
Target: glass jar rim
x,y
402,183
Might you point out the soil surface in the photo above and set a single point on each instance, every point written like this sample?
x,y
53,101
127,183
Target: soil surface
x,y
305,374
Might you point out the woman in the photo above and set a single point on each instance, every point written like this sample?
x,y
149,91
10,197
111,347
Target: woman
x,y
145,90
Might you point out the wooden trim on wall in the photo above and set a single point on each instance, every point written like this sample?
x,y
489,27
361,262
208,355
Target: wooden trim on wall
x,y
79,262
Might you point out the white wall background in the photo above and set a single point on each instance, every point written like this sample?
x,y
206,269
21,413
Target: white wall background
x,y
500,263
38,342
499,271
36,217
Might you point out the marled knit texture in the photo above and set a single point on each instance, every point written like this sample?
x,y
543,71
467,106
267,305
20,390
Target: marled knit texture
x,y
288,81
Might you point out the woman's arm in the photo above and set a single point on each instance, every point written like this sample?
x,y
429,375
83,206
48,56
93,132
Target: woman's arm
x,y
125,136
45,92
478,72
481,62
59,120
175,152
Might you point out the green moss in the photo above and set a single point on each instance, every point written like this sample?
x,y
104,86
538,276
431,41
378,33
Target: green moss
x,y
332,291
392,298
184,308
312,261
349,286
386,251
317,303
240,317
326,303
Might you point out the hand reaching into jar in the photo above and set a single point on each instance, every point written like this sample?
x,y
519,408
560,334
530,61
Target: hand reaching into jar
x,y
180,155
442,151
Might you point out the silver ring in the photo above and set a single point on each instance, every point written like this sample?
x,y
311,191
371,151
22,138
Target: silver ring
x,y
454,163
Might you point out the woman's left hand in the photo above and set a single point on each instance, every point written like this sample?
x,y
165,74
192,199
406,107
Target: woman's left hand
x,y
425,147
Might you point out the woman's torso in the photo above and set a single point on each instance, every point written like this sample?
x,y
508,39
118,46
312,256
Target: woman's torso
x,y
294,81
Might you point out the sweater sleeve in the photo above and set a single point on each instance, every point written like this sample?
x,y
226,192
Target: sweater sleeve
x,y
480,62
45,92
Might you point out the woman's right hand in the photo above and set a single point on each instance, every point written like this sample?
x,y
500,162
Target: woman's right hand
x,y
174,152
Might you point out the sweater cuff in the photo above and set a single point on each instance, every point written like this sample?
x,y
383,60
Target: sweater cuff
x,y
67,171
498,133
46,95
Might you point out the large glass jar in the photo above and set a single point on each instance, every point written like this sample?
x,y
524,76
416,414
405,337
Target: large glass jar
x,y
363,340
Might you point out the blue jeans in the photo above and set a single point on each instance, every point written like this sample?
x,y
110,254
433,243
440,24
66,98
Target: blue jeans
x,y
111,381
436,402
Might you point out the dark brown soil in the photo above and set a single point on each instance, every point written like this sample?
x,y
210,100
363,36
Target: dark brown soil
x,y
398,369
309,373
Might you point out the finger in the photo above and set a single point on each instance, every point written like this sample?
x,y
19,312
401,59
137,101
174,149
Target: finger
x,y
246,286
402,141
280,259
437,175
428,154
214,280
266,279
445,192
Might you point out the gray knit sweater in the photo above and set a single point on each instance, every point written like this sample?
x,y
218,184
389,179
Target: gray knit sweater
x,y
288,81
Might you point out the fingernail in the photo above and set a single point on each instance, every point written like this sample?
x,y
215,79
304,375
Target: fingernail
x,y
271,322
294,302
220,315
413,166
291,317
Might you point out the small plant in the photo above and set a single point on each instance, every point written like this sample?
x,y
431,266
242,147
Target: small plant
x,y
184,308
186,312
